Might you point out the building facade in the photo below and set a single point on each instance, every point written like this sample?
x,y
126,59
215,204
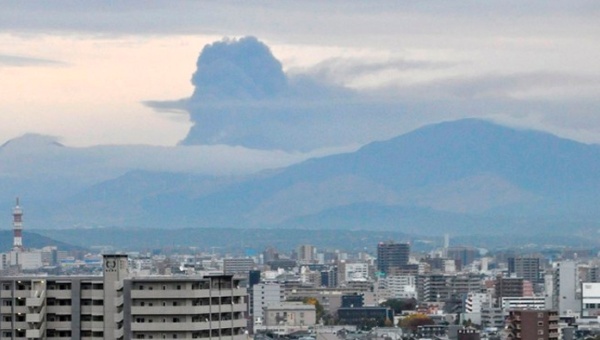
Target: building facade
x,y
116,306
392,255
533,325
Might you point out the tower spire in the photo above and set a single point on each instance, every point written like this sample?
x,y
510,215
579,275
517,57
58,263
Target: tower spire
x,y
17,227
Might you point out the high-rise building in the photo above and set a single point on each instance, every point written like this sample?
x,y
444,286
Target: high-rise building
x,y
118,306
532,325
526,267
238,265
508,287
307,254
463,255
565,285
262,295
442,287
392,255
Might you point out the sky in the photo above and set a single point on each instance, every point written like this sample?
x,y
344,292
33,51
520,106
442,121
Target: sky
x,y
84,72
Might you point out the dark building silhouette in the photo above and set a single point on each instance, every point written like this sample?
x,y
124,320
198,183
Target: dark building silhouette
x,y
392,255
526,267
508,287
253,278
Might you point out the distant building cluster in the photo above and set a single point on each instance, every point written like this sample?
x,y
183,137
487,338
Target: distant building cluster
x,y
389,292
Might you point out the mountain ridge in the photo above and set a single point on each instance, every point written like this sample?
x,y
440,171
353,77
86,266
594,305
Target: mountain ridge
x,y
459,173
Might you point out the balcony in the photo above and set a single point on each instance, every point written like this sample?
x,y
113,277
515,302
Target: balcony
x,y
36,317
172,310
37,300
118,317
59,325
119,301
92,310
239,307
59,294
119,333
22,293
35,333
62,310
92,294
96,326
172,326
169,294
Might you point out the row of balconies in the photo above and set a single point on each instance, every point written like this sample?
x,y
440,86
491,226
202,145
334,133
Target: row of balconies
x,y
185,294
186,326
179,310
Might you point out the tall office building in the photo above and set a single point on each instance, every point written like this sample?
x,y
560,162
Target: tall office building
x,y
392,255
526,267
118,306
306,254
508,287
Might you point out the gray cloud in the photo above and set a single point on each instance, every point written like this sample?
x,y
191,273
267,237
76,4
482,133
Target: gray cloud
x,y
15,60
286,17
307,111
504,85
343,70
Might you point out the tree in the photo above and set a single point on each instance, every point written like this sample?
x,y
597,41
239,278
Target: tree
x,y
399,305
412,321
320,310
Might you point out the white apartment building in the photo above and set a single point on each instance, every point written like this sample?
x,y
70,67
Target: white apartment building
x,y
566,286
590,296
523,302
262,295
475,302
118,306
401,286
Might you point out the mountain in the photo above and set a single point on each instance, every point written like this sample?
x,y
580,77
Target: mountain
x,y
34,241
460,177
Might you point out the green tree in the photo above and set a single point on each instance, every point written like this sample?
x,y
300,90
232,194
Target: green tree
x,y
399,305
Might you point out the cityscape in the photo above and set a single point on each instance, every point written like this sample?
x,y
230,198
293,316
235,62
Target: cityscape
x,y
300,170
387,291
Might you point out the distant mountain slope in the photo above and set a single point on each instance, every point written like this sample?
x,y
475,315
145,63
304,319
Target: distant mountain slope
x,y
455,176
33,241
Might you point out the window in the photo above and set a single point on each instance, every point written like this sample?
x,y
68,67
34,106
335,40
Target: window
x,y
540,332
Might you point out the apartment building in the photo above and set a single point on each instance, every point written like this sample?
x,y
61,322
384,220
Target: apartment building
x,y
117,306
532,325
